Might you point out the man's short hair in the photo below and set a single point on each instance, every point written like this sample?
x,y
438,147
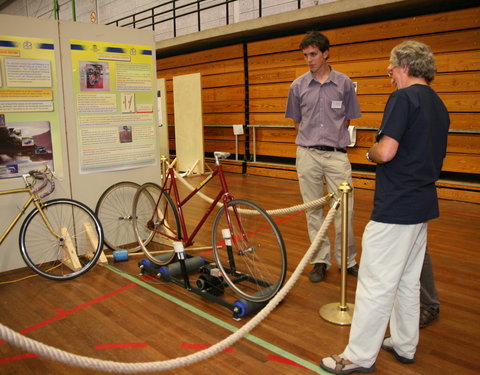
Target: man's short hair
x,y
317,39
417,57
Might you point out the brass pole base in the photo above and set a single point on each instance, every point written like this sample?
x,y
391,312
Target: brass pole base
x,y
332,313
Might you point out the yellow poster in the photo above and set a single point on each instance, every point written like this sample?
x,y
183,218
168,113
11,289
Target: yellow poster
x,y
114,96
29,113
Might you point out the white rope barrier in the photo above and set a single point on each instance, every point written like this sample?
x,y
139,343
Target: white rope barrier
x,y
59,355
280,211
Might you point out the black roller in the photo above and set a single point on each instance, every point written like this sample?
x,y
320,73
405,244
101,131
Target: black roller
x,y
175,269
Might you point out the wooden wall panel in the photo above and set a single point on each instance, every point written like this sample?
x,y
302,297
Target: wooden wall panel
x,y
364,59
270,119
274,134
362,52
223,91
212,68
206,56
224,146
427,24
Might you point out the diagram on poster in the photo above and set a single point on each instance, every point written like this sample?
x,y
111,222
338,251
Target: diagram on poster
x,y
114,100
29,118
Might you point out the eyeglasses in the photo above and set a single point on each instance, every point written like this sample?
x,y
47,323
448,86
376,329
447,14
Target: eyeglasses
x,y
390,70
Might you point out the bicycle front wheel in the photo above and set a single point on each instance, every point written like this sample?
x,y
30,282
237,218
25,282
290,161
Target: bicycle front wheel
x,y
114,210
156,223
249,250
74,246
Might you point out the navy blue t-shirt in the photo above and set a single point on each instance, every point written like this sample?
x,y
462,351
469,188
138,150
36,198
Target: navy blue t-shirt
x,y
405,190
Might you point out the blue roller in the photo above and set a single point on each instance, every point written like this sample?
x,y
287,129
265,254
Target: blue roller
x,y
120,255
248,307
146,263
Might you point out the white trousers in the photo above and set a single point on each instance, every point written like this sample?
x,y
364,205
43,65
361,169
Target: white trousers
x,y
313,166
388,288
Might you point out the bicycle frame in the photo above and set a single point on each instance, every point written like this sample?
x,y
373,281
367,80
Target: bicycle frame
x,y
32,198
170,186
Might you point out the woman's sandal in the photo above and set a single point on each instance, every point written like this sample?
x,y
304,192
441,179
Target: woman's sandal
x,y
341,366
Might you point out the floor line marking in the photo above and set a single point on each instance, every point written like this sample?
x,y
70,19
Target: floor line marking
x,y
265,344
64,313
19,357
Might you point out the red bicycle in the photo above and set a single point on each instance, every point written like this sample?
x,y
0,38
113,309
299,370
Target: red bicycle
x,y
247,245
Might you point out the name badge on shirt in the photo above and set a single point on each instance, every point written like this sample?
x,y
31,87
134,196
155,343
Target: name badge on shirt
x,y
336,104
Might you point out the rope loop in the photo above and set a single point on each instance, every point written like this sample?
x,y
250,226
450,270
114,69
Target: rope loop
x,y
62,356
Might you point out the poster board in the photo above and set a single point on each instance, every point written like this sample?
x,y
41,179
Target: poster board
x,y
187,93
110,106
32,124
46,93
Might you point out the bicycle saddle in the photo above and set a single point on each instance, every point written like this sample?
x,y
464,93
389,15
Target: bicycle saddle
x,y
221,155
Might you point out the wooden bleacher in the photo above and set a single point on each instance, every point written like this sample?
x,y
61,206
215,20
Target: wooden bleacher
x,y
250,86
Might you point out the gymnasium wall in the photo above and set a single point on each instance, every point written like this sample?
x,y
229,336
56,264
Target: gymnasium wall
x,y
248,84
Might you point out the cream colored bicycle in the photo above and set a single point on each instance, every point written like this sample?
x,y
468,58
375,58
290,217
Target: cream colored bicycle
x,y
59,239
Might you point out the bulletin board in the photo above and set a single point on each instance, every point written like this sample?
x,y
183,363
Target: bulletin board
x,y
32,118
110,106
81,98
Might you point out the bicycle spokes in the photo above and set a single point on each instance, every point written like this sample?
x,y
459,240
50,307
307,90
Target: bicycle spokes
x,y
253,258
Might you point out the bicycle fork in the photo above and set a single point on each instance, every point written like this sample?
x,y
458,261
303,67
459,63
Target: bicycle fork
x,y
38,203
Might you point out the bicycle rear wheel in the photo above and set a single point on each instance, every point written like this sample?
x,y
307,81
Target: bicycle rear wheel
x,y
74,252
114,210
155,223
253,261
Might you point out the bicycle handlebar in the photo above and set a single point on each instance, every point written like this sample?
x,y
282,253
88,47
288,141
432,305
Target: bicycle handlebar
x,y
46,176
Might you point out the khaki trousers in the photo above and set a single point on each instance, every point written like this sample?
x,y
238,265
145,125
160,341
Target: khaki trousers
x,y
313,168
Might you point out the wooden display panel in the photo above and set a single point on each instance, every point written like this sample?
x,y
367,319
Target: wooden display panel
x,y
187,92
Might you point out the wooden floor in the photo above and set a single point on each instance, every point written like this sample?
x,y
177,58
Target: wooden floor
x,y
113,314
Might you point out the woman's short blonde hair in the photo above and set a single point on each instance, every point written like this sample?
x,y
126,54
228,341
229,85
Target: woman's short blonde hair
x,y
417,57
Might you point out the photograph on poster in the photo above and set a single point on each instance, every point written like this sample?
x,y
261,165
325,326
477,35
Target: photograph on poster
x,y
125,134
24,146
94,76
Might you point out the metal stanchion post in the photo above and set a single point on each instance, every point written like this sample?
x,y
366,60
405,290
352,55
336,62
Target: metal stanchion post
x,y
341,313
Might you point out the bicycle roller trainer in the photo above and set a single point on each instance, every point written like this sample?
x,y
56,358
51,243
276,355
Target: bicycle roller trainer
x,y
210,283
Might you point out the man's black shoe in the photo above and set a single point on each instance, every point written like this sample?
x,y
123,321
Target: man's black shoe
x,y
353,270
428,316
318,273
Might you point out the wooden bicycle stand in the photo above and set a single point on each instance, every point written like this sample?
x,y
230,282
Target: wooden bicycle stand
x,y
341,312
70,257
93,243
164,251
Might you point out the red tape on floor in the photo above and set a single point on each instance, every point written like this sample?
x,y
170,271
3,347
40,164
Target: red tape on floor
x,y
284,360
64,313
17,358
